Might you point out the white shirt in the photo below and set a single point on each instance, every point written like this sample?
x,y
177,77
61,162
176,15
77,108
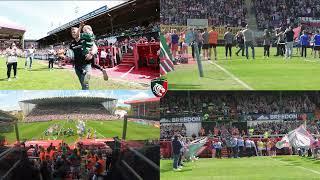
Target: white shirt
x,y
12,56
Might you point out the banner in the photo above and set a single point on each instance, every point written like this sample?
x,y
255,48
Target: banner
x,y
197,23
189,119
166,59
309,21
194,147
286,116
298,138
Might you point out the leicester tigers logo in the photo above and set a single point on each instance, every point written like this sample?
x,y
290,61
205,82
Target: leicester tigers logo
x,y
159,87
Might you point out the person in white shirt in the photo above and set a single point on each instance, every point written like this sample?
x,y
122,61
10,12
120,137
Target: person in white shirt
x,y
12,60
103,57
51,54
29,57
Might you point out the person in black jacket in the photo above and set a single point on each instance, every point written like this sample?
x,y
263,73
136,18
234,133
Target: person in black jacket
x,y
176,149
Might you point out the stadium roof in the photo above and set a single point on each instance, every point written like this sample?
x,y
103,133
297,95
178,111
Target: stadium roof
x,y
11,28
64,100
126,14
149,100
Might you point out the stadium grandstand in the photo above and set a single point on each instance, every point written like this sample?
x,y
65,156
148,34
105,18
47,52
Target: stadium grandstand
x,y
121,20
204,32
7,124
145,108
70,137
265,115
127,37
260,125
78,108
11,32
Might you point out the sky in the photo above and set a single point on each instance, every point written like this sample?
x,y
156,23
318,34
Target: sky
x,y
9,99
40,17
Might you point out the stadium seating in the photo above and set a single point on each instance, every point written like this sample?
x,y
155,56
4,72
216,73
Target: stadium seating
x,y
218,12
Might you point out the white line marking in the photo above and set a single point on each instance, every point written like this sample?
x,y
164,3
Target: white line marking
x,y
232,76
311,170
127,72
97,131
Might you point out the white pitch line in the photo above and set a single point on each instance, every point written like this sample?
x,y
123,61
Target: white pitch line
x,y
125,74
232,76
97,132
301,167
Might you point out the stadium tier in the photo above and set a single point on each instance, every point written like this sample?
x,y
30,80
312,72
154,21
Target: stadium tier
x,y
236,13
68,108
197,113
9,33
134,17
145,108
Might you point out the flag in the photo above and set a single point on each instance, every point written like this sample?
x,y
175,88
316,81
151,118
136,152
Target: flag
x,y
194,147
299,137
297,32
166,64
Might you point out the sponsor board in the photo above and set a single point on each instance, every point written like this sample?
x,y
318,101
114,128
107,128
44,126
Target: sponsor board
x,y
285,116
189,119
197,23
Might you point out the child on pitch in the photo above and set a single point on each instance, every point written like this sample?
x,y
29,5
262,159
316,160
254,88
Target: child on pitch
x,y
88,40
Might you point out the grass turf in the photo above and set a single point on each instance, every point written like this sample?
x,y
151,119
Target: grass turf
x,y
274,73
105,129
40,78
257,168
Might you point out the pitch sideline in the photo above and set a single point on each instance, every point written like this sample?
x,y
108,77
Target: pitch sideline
x,y
301,167
232,76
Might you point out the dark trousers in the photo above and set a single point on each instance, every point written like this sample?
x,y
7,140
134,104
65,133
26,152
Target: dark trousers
x,y
241,48
266,50
192,50
103,60
83,74
97,66
282,49
248,151
50,63
235,151
303,51
9,67
199,47
228,47
241,151
180,158
218,153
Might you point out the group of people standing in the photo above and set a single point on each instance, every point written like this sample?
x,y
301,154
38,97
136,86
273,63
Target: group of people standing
x,y
84,52
205,40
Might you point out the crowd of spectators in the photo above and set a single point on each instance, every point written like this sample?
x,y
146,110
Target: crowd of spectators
x,y
218,12
167,131
277,128
74,112
277,13
135,30
84,161
234,105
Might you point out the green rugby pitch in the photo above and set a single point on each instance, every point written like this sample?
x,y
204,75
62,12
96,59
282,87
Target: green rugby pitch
x,y
104,129
274,73
256,168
